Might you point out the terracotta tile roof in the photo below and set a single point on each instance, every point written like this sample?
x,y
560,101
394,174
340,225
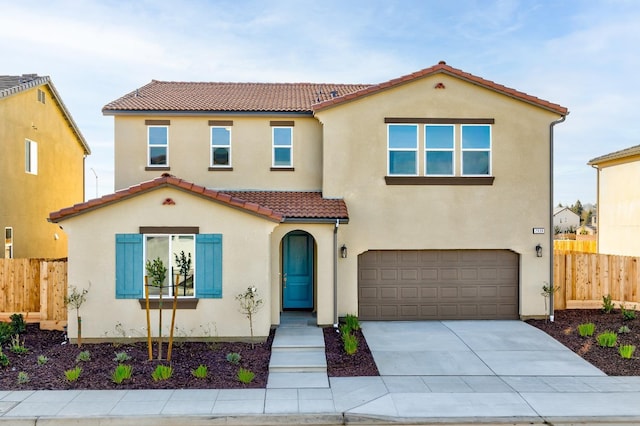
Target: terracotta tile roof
x,y
617,155
254,97
443,68
272,205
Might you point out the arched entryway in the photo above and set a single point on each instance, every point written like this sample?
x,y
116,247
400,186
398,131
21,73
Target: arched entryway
x,y
298,270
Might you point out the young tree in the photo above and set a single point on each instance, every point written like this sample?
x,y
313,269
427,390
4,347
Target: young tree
x,y
249,305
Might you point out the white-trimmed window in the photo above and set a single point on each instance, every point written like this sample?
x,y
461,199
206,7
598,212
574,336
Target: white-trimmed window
x,y
30,157
158,146
171,248
282,137
439,144
41,96
403,149
220,146
476,149
8,243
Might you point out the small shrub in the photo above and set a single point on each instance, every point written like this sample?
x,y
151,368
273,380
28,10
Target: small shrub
x,y
234,357
352,322
200,372
73,374
17,346
344,329
6,331
23,378
121,373
4,359
624,329
607,339
626,351
607,304
42,360
350,343
162,372
245,376
121,357
18,324
84,356
587,329
627,314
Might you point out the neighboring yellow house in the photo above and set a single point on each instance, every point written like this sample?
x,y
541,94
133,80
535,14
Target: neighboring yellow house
x,y
41,166
423,197
619,202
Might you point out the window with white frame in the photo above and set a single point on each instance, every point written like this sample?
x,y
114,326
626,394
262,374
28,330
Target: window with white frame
x,y
282,146
31,157
220,146
476,150
402,149
41,96
158,146
439,144
170,249
8,243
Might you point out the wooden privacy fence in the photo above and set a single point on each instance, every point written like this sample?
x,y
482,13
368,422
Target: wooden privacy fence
x,y
584,278
585,246
36,289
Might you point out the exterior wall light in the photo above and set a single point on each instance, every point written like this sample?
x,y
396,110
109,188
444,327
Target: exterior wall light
x,y
343,251
539,250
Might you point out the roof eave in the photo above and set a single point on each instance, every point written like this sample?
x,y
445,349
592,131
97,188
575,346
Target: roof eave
x,y
129,112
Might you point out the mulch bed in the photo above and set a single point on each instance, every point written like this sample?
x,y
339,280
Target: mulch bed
x,y
564,329
339,364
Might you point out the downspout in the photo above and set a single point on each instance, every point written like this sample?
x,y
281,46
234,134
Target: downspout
x,y
551,126
335,274
595,166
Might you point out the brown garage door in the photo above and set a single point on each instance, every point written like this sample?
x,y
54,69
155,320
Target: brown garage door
x,y
437,284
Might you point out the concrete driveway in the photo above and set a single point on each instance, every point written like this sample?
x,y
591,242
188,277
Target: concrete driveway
x,y
469,348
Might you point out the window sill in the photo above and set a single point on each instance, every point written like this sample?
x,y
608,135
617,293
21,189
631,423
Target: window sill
x,y
158,168
282,169
439,180
183,303
220,169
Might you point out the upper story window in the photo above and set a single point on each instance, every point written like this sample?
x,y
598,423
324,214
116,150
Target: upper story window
x,y
41,96
30,157
439,143
403,149
476,150
158,145
282,145
220,146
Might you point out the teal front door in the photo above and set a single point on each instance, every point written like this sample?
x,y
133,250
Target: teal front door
x,y
297,266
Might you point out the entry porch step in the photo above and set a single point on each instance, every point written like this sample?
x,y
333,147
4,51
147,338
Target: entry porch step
x,y
298,361
297,380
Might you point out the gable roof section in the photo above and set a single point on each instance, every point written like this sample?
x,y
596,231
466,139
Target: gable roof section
x,y
617,155
272,205
442,68
13,84
174,96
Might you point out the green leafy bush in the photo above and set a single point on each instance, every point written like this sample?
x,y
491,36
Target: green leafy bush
x,y
4,359
84,356
122,357
73,374
17,346
607,304
6,331
624,329
200,372
121,373
23,378
245,376
42,360
344,329
18,324
627,314
587,329
607,339
626,351
234,357
352,322
162,372
350,343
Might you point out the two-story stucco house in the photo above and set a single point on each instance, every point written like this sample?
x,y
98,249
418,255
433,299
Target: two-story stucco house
x,y
423,197
619,202
565,220
42,156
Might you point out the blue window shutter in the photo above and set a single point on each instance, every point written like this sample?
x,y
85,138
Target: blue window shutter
x,y
209,266
129,274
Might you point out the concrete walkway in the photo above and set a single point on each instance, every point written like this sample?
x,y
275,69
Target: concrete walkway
x,y
452,372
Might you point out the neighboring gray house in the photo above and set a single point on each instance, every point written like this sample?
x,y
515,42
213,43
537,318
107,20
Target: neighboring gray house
x,y
565,220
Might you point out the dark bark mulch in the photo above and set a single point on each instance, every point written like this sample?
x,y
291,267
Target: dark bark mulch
x,y
339,364
565,330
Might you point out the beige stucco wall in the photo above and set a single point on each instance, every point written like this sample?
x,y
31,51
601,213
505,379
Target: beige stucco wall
x,y
246,241
189,157
27,199
382,216
619,207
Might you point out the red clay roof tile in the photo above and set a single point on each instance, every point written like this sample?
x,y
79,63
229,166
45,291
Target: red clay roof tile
x,y
272,205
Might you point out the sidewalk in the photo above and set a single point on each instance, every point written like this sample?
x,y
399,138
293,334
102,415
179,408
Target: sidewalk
x,y
459,372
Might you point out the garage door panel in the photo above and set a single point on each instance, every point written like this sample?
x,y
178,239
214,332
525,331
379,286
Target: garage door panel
x,y
438,284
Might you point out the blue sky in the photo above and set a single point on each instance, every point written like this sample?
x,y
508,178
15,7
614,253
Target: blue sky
x,y
581,54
